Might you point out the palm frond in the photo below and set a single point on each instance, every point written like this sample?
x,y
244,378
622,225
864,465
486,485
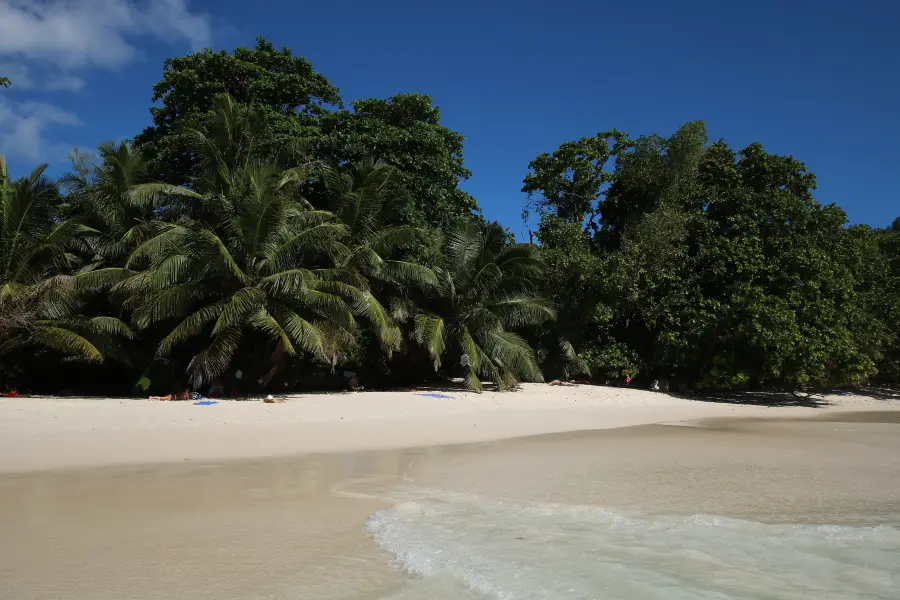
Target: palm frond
x,y
65,341
322,239
241,304
408,273
389,239
327,303
429,333
172,236
512,354
372,310
174,301
192,326
209,364
225,256
302,332
157,194
110,326
462,246
567,351
170,270
523,310
265,322
288,282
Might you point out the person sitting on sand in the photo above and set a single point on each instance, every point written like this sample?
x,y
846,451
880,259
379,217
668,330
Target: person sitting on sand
x,y
185,395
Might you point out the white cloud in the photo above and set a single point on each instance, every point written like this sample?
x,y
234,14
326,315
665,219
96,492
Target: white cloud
x,y
94,33
23,128
24,78
45,45
62,82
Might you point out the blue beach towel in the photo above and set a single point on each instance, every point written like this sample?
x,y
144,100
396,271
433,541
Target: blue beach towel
x,y
431,395
205,402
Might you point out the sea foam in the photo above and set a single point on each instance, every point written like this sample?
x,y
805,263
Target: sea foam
x,y
458,546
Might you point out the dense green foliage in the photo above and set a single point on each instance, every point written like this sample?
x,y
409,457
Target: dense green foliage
x,y
686,261
264,234
305,121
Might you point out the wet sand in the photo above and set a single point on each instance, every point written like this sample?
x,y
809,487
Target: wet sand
x,y
836,469
293,527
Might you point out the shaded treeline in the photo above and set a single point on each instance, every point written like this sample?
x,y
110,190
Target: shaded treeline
x,y
261,235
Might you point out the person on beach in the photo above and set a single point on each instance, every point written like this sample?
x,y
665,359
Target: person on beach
x,y
180,395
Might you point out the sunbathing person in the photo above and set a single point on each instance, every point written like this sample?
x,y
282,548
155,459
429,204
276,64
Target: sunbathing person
x,y
565,383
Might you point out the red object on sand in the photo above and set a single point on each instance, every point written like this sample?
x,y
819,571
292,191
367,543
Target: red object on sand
x,y
12,394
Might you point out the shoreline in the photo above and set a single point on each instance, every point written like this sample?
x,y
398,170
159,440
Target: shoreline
x,y
268,505
40,434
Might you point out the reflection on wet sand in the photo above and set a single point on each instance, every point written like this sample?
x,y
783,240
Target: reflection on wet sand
x,y
295,527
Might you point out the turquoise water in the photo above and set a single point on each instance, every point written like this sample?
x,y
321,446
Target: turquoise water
x,y
456,546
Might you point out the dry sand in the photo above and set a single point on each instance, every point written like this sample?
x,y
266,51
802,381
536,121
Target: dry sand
x,y
54,433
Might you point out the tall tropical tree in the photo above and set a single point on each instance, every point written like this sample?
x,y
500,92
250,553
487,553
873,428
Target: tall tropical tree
x,y
486,289
244,254
100,195
365,197
39,303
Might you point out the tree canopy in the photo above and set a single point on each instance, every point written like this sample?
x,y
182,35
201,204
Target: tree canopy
x,y
711,267
305,120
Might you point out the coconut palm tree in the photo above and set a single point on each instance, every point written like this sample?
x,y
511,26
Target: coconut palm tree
x,y
243,252
486,289
364,198
39,303
100,196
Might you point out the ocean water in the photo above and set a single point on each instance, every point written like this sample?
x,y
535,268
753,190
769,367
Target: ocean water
x,y
619,514
455,546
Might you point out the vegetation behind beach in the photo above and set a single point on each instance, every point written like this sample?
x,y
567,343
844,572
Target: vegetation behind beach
x,y
264,233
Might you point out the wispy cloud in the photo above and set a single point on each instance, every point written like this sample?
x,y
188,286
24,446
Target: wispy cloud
x,y
27,79
49,45
23,128
79,34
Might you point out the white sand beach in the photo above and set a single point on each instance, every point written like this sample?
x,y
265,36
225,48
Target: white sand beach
x,y
54,433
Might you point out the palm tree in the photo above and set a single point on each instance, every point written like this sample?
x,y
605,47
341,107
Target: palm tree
x,y
100,197
39,303
244,252
364,197
486,288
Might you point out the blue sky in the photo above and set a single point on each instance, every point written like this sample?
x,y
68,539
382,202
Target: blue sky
x,y
816,79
